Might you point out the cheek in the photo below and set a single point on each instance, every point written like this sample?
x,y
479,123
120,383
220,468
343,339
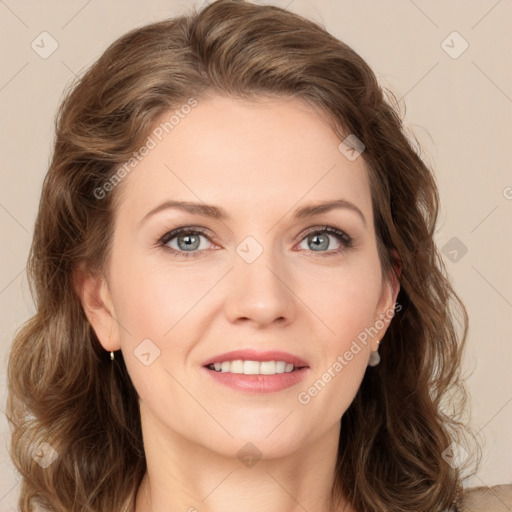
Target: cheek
x,y
344,359
160,309
152,306
353,315
344,299
345,302
153,298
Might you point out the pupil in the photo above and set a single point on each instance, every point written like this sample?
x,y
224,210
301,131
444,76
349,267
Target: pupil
x,y
322,245
189,242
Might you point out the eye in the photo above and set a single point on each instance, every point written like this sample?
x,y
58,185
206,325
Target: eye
x,y
184,240
319,239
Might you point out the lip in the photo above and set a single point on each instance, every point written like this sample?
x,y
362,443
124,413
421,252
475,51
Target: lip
x,y
255,355
258,383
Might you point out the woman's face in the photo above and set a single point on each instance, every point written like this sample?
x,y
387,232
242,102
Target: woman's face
x,y
260,279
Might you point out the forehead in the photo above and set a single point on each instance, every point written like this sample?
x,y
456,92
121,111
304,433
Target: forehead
x,y
249,155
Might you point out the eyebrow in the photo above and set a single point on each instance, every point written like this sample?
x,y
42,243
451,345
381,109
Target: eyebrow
x,y
216,212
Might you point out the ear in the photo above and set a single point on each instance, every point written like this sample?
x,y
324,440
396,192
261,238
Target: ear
x,y
395,273
389,294
94,294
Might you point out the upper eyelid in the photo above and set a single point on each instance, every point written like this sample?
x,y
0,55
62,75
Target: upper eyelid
x,y
173,233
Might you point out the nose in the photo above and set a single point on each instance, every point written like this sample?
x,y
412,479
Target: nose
x,y
260,292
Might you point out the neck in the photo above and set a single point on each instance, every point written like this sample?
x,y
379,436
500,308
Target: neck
x,y
188,477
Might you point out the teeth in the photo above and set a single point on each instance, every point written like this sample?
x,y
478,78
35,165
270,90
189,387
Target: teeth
x,y
253,367
267,367
237,366
280,366
250,367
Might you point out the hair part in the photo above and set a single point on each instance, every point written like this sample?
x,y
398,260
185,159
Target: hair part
x,y
64,391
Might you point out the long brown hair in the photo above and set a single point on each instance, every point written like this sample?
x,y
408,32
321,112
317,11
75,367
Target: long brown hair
x,y
64,392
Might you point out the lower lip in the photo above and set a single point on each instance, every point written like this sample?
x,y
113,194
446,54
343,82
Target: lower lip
x,y
258,383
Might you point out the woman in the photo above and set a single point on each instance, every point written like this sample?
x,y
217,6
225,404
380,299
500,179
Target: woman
x,y
240,304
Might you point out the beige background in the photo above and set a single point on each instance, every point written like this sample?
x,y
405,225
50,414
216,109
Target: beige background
x,y
459,108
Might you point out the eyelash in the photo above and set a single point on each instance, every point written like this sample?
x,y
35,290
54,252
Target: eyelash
x,y
346,241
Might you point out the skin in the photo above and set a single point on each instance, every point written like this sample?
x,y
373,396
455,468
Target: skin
x,y
259,161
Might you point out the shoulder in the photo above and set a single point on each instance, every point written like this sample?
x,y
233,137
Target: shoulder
x,y
486,499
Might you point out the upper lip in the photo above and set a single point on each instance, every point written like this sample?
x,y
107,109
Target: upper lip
x,y
255,355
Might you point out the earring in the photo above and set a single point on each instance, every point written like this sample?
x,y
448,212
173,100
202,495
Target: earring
x,y
109,334
374,357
